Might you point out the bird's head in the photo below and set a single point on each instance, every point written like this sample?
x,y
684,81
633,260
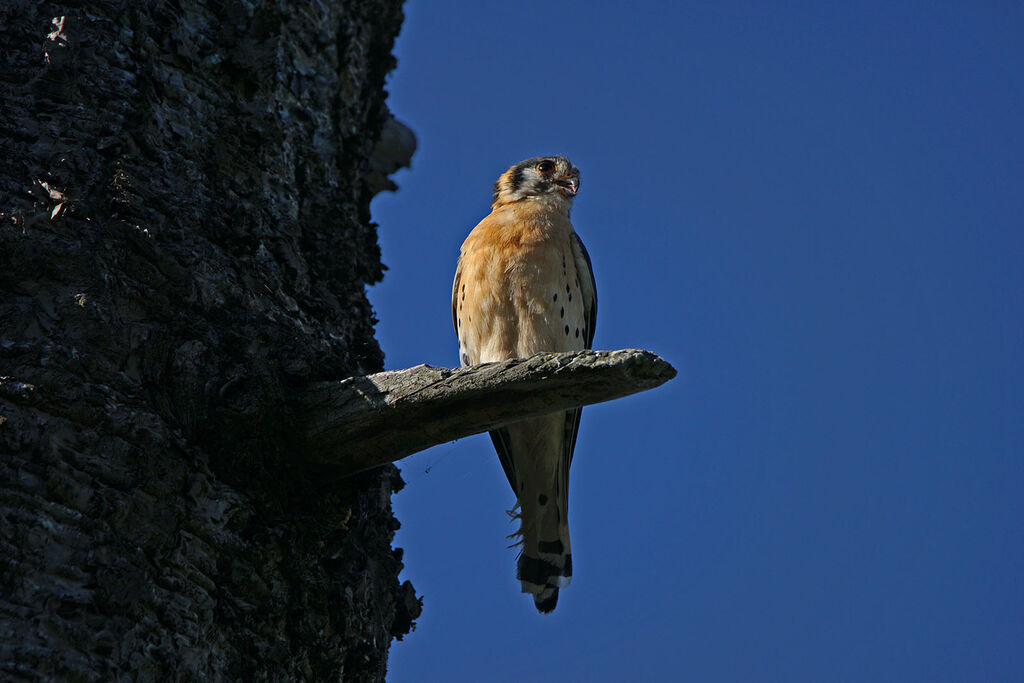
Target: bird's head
x,y
549,179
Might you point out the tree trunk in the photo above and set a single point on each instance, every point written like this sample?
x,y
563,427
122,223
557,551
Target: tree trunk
x,y
184,239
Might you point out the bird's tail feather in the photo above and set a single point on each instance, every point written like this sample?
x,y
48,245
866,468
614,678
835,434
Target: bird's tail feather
x,y
543,578
545,561
539,475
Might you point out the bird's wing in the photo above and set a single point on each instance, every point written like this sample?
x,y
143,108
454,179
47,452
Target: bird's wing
x,y
455,297
588,290
502,445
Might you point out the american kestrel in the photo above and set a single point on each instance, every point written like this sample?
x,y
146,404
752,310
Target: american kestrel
x,y
523,285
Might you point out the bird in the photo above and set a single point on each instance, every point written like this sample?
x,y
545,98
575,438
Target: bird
x,y
524,284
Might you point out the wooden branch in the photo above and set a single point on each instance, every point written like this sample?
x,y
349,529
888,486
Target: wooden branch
x,y
363,422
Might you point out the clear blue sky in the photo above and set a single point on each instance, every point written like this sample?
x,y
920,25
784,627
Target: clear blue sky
x,y
815,211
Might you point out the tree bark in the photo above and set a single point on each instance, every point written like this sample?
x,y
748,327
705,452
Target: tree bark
x,y
184,240
365,422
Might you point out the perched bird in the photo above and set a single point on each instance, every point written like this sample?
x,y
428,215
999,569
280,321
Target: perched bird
x,y
524,284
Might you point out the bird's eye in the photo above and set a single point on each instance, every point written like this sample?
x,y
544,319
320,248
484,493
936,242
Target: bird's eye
x,y
546,166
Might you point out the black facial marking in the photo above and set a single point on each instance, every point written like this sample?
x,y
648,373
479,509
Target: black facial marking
x,y
517,177
542,499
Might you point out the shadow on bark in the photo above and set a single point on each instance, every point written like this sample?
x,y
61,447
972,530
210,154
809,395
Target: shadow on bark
x,y
185,239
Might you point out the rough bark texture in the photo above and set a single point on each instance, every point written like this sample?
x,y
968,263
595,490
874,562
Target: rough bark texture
x,y
363,422
184,239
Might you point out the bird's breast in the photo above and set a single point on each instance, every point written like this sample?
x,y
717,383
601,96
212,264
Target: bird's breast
x,y
522,291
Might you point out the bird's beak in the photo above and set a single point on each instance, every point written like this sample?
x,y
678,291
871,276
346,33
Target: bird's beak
x,y
568,185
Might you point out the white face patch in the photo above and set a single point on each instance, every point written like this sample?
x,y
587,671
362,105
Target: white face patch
x,y
539,179
552,201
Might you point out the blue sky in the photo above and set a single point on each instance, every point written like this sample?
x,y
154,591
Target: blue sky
x,y
815,211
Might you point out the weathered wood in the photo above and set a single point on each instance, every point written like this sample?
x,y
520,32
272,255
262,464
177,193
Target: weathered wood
x,y
362,422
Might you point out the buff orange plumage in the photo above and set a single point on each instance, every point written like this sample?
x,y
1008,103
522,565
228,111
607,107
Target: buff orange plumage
x,y
523,285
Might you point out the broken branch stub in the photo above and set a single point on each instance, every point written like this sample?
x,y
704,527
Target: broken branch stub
x,y
363,422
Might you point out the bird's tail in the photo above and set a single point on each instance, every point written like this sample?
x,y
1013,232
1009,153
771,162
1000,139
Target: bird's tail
x,y
543,574
545,563
535,454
